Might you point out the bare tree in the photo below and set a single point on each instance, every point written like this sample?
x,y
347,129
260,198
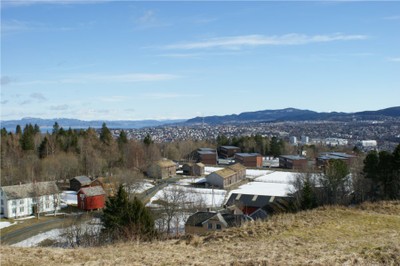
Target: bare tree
x,y
171,202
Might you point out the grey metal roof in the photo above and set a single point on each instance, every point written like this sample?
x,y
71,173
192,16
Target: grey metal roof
x,y
93,191
242,154
30,190
293,157
249,200
84,180
198,218
335,155
230,147
259,214
206,152
206,149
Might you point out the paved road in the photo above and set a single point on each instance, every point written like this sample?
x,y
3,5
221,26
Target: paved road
x,y
32,230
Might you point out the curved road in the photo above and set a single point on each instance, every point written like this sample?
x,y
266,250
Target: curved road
x,y
32,230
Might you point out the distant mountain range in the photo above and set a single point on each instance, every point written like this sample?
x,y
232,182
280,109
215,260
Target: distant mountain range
x,y
292,114
288,114
47,124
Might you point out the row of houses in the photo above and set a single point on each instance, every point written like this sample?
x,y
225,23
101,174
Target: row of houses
x,y
44,197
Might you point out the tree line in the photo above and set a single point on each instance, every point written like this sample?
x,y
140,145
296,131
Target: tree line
x,y
373,177
28,155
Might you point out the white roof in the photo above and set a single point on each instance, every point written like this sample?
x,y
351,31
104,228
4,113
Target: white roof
x,y
265,189
277,177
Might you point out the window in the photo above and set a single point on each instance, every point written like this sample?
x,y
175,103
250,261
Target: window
x,y
47,205
14,210
14,202
47,197
21,209
219,227
2,202
209,226
21,201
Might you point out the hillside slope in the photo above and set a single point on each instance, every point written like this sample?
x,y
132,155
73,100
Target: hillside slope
x,y
367,234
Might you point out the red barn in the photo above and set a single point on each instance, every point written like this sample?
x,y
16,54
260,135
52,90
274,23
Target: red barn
x,y
91,198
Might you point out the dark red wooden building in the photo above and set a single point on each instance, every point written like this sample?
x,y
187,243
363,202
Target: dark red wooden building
x,y
91,198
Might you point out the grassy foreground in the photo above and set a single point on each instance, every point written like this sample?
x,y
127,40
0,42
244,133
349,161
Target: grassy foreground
x,y
363,235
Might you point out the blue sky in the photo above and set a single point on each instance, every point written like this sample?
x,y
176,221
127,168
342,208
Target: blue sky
x,y
166,60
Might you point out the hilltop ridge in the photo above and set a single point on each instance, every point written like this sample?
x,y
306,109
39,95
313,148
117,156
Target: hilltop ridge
x,y
365,234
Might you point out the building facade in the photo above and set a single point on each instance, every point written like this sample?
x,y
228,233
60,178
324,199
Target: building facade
x,y
292,162
206,156
193,169
228,176
228,151
29,199
91,198
162,169
249,159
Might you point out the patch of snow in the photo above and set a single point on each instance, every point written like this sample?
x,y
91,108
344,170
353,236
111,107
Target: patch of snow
x,y
198,196
265,189
6,224
189,181
57,234
256,172
277,177
54,234
25,218
140,187
209,169
69,197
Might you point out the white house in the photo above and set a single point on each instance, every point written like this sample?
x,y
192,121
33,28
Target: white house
x,y
27,199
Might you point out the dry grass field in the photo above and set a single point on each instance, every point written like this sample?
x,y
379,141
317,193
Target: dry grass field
x,y
365,235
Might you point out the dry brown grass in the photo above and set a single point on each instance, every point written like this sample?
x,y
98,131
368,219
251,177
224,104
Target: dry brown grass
x,y
365,235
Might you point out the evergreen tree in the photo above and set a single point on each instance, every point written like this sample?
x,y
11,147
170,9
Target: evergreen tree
x,y
18,130
308,199
43,148
127,219
105,134
123,138
275,147
147,140
36,129
3,132
27,138
56,128
222,140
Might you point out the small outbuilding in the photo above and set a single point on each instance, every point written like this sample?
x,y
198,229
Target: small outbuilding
x,y
193,169
79,182
91,198
162,169
227,176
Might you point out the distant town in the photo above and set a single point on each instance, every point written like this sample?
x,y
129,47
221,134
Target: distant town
x,y
385,133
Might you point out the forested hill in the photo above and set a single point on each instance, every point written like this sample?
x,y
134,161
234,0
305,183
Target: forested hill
x,y
292,114
47,124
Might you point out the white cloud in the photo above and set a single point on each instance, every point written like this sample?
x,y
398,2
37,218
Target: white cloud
x,y
169,95
237,42
114,99
96,78
61,107
6,80
396,17
38,96
147,17
21,3
394,59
